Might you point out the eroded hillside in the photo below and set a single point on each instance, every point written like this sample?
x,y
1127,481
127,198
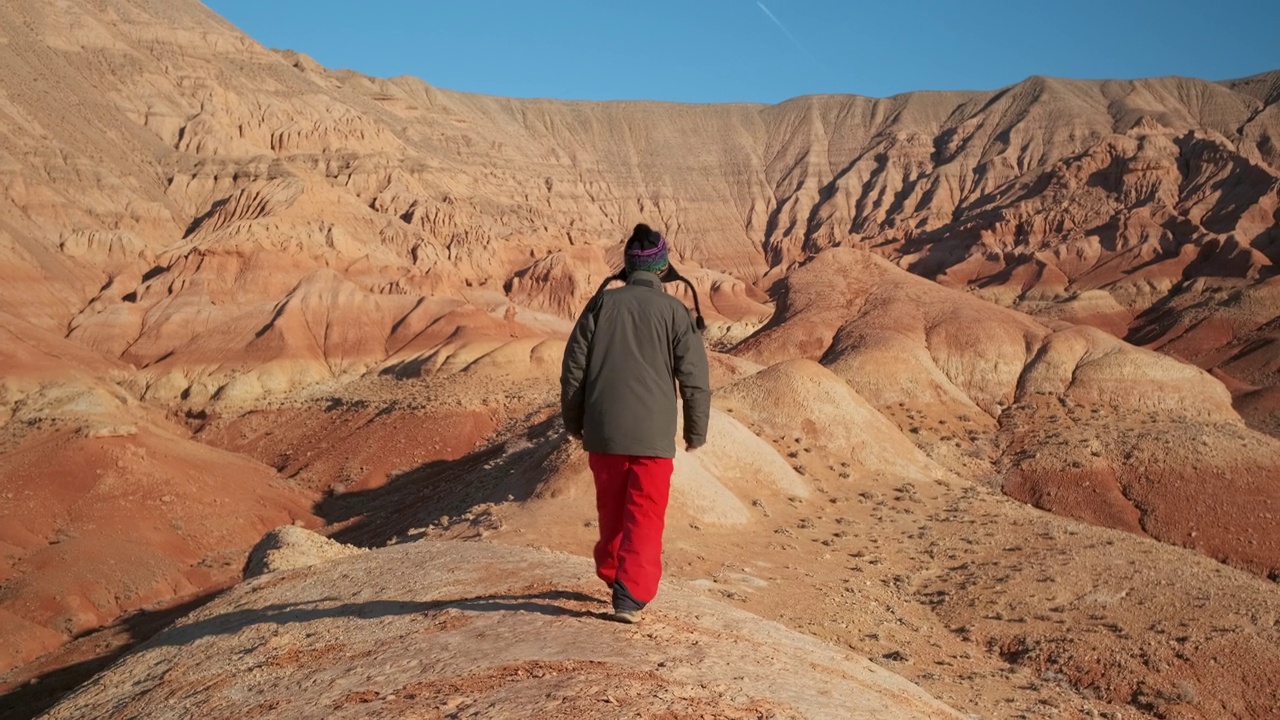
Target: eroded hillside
x,y
245,290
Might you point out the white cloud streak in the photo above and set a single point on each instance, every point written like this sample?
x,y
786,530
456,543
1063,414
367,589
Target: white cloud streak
x,y
787,32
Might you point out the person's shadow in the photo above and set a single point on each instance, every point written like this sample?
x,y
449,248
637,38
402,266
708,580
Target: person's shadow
x,y
500,472
546,603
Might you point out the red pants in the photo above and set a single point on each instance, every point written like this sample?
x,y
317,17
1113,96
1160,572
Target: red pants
x,y
631,503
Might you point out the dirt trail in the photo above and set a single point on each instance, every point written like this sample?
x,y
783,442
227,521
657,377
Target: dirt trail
x,y
476,630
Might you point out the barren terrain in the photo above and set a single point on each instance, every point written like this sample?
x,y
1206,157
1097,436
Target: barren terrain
x,y
996,399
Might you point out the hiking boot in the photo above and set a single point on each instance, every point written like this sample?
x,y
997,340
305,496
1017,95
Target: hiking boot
x,y
628,617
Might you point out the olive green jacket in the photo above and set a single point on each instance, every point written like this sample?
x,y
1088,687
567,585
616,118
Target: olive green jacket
x,y
618,380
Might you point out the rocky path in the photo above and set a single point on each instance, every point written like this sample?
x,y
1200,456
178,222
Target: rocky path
x,y
470,630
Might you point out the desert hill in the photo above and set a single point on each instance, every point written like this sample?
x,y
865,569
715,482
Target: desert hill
x,y
315,643
993,607
108,506
1065,417
214,168
244,290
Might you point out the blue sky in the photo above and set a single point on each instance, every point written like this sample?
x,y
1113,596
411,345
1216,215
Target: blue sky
x,y
766,51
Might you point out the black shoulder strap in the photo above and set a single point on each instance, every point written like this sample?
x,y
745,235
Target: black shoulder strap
x,y
672,274
669,275
593,305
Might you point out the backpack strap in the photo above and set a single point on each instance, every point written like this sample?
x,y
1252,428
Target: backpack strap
x,y
673,275
669,275
697,306
593,305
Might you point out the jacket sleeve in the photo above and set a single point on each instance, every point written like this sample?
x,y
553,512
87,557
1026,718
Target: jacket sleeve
x,y
573,371
695,382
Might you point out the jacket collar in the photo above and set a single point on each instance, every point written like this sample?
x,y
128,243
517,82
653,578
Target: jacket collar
x,y
647,279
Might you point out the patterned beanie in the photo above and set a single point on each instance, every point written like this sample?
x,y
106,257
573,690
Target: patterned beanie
x,y
646,251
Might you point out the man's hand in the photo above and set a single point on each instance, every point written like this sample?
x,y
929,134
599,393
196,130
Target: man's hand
x,y
691,448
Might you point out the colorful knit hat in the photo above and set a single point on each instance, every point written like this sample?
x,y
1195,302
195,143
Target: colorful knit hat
x,y
646,251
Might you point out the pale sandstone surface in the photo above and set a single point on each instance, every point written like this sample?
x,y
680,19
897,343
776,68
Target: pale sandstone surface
x,y
473,630
290,547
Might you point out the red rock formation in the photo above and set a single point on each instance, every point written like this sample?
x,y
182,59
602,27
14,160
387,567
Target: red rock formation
x,y
108,507
1083,424
193,227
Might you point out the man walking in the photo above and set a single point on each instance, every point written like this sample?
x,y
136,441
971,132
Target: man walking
x,y
628,351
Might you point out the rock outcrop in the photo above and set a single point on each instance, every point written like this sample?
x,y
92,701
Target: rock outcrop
x,y
291,547
476,630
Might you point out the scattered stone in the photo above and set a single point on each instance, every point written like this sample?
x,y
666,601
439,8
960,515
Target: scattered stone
x,y
291,547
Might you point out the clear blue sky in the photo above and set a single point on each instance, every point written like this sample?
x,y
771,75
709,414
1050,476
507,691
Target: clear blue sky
x,y
744,50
